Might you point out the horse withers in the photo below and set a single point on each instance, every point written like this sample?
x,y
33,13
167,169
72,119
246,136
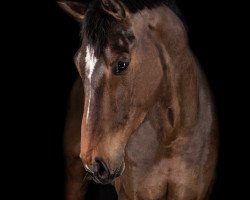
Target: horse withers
x,y
141,114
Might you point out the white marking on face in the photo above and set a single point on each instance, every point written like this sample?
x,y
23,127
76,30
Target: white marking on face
x,y
91,61
87,117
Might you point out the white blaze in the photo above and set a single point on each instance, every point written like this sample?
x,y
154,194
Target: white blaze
x,y
91,61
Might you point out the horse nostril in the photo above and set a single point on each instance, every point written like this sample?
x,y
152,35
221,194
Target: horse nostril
x,y
100,169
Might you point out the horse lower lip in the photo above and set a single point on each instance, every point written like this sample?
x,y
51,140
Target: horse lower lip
x,y
101,181
104,182
97,180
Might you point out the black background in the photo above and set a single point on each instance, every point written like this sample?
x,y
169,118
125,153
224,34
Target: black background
x,y
40,73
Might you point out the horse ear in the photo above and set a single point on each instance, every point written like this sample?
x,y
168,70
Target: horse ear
x,y
75,9
114,8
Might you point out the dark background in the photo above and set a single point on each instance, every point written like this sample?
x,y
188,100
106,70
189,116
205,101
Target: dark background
x,y
40,53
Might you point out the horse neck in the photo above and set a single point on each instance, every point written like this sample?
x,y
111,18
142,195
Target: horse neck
x,y
184,89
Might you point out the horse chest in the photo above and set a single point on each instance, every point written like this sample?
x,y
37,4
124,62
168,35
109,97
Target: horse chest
x,y
141,184
142,147
144,177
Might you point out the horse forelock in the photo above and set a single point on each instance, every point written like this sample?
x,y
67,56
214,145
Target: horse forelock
x,y
96,27
97,24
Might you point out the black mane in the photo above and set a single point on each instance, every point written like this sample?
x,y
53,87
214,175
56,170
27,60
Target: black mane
x,y
97,23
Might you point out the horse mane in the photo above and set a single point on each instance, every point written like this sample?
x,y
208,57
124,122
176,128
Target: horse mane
x,y
97,24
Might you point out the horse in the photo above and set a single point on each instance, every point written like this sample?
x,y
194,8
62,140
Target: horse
x,y
141,114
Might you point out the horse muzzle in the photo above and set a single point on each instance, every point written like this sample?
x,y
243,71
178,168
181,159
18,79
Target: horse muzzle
x,y
100,172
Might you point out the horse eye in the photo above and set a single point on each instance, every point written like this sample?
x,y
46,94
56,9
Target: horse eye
x,y
120,67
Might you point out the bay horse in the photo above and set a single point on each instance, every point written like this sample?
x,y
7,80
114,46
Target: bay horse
x,y
141,114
